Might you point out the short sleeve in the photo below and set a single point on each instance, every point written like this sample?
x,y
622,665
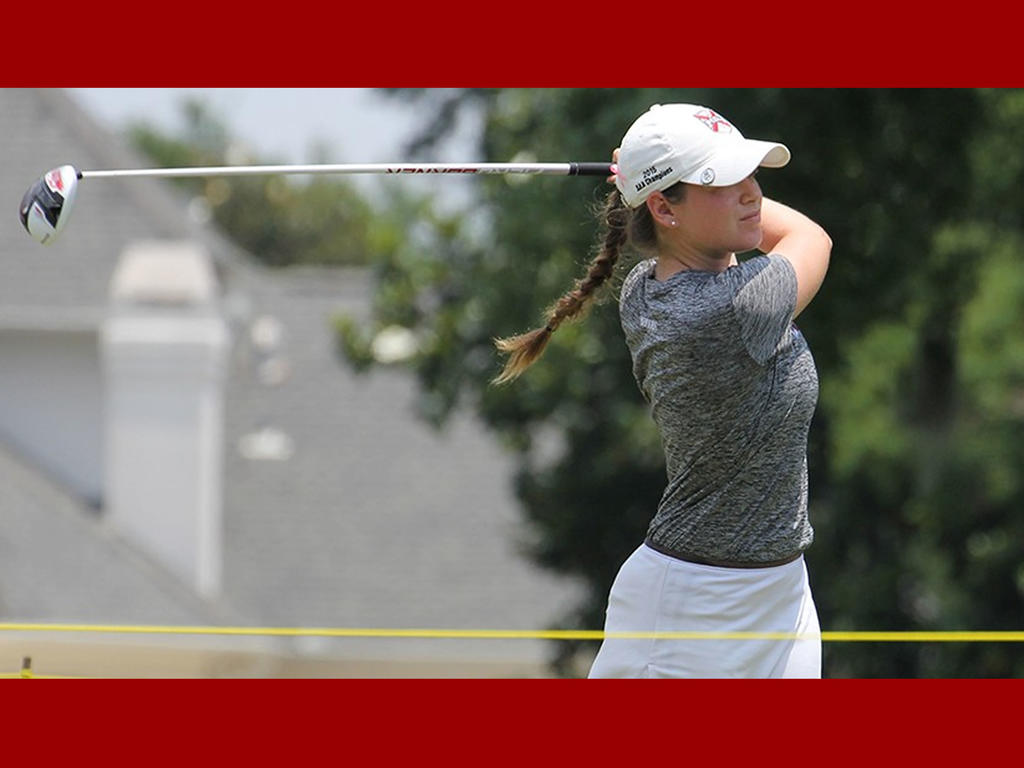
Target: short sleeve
x,y
764,300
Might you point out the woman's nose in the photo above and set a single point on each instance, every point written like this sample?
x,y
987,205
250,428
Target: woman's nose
x,y
750,190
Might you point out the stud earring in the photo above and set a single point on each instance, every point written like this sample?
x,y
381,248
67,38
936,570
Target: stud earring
x,y
673,222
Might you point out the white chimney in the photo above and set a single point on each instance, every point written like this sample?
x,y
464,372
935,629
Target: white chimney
x,y
164,347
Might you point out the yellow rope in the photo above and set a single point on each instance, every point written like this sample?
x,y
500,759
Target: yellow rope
x,y
18,675
514,634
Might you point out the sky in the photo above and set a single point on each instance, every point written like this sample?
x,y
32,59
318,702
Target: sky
x,y
357,125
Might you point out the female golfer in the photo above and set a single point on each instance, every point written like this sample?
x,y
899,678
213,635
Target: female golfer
x,y
718,588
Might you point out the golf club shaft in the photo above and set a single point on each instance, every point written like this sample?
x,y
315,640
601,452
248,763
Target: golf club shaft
x,y
548,169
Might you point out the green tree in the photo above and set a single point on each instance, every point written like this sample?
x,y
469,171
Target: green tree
x,y
926,442
281,220
916,439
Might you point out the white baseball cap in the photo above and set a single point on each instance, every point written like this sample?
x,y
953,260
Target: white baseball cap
x,y
689,143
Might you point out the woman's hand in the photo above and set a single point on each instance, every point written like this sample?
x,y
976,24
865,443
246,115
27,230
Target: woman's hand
x,y
615,162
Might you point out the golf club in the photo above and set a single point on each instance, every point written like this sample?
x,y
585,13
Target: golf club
x,y
46,206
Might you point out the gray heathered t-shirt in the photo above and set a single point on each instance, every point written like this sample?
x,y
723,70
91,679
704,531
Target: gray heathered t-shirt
x,y
732,387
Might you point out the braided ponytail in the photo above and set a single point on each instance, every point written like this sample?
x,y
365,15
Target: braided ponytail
x,y
525,349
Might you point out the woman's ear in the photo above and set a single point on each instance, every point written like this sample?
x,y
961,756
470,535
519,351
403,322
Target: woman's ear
x,y
661,209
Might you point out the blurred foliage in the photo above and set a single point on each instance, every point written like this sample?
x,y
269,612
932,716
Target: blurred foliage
x,y
917,442
281,220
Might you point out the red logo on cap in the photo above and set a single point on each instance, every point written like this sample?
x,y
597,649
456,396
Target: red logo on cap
x,y
714,121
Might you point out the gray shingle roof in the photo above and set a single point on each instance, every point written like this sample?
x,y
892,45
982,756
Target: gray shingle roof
x,y
60,562
374,521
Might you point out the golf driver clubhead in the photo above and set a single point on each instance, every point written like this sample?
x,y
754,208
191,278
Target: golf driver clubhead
x,y
48,203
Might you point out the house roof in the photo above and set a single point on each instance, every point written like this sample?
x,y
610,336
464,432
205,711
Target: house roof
x,y
341,508
375,520
60,562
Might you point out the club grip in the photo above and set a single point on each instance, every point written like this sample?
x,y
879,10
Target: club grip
x,y
590,169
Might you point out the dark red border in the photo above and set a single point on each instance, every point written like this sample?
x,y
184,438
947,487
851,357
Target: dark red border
x,y
540,45
535,722
532,43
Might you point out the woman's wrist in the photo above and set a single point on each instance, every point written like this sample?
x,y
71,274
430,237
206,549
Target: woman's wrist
x,y
778,221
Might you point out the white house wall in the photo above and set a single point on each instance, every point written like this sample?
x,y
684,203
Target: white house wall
x,y
51,405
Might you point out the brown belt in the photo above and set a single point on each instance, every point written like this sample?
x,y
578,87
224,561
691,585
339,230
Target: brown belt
x,y
688,558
